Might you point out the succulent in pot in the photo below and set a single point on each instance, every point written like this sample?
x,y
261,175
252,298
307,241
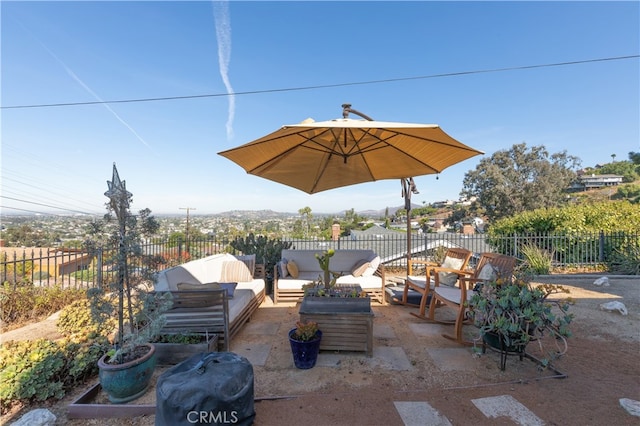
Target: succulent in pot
x,y
517,312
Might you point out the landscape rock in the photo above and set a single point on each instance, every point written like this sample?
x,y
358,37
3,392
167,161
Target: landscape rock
x,y
37,417
614,306
602,281
632,407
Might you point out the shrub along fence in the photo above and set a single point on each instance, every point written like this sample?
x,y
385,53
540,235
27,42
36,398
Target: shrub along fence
x,y
75,268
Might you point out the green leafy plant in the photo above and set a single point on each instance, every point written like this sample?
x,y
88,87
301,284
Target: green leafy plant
x,y
40,369
76,319
537,260
323,261
268,251
183,338
305,331
626,260
318,289
518,313
24,303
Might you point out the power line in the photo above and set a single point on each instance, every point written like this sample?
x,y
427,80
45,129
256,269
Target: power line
x,y
323,86
45,205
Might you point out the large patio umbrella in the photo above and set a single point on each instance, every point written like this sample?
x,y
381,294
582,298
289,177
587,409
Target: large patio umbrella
x,y
318,156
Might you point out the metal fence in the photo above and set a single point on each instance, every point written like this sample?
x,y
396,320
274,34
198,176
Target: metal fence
x,y
76,268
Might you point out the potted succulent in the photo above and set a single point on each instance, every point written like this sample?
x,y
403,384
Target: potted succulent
x,y
305,343
126,370
511,314
323,261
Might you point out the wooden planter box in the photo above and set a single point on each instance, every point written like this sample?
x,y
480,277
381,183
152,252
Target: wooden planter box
x,y
343,329
174,353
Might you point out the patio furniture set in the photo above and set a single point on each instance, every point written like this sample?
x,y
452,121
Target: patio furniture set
x,y
218,294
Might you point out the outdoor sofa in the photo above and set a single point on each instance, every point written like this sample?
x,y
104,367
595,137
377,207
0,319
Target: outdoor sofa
x,y
362,267
203,276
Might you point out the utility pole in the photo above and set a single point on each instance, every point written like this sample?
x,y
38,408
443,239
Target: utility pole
x,y
187,232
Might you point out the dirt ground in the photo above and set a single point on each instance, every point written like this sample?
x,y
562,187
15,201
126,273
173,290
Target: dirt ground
x,y
601,367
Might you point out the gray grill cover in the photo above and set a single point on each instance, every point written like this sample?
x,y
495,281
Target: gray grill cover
x,y
208,388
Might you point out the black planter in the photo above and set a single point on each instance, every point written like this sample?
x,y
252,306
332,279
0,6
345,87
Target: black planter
x,y
324,304
175,353
305,354
497,342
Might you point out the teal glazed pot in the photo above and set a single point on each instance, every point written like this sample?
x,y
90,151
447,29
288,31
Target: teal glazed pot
x,y
128,381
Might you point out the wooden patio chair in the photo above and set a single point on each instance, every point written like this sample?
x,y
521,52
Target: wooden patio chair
x,y
491,266
454,263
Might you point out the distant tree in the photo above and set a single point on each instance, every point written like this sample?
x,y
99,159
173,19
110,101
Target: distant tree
x,y
629,192
305,212
635,157
459,214
26,235
613,158
520,179
626,169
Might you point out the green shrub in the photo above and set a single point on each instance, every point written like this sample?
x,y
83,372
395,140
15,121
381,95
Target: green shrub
x,y
76,319
41,369
28,303
626,260
537,260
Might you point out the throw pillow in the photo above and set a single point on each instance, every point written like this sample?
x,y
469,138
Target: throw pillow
x,y
374,263
488,273
235,271
450,278
359,268
250,261
199,287
293,269
230,287
282,265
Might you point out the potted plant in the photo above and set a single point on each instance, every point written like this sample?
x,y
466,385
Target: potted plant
x,y
323,261
305,343
511,314
172,349
126,370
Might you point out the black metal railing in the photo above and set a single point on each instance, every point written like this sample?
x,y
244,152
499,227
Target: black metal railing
x,y
73,268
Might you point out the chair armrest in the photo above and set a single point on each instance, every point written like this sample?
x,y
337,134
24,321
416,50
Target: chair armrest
x,y
381,273
426,264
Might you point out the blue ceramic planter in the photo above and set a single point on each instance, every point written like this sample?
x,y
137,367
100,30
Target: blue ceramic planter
x,y
305,354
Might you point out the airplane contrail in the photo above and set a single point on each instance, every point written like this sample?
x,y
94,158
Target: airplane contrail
x,y
88,89
223,34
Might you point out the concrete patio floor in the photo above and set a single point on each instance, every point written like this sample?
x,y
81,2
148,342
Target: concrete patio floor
x,y
410,358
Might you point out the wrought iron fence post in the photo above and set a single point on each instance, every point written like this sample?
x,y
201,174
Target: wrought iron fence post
x,y
99,269
601,247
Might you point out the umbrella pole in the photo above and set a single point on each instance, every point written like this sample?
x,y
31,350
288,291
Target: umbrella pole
x,y
408,188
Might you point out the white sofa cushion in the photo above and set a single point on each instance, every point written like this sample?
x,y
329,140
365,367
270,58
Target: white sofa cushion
x,y
343,261
234,271
370,282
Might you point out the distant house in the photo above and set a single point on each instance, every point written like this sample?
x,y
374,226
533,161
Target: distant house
x,y
592,181
54,261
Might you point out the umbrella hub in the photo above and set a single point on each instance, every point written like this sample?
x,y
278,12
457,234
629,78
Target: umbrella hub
x,y
346,109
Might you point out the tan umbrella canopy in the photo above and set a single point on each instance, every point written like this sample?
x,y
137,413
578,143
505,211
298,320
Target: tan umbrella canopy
x,y
317,156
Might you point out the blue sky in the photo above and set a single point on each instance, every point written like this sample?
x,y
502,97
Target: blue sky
x,y
166,151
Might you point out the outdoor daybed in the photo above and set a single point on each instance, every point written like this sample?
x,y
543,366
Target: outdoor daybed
x,y
362,267
248,295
